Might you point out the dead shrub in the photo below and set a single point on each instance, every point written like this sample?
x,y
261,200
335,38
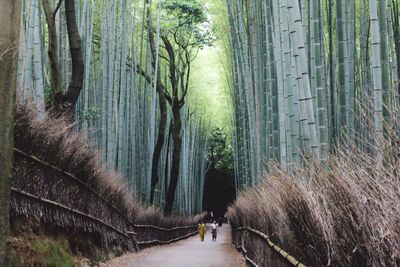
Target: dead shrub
x,y
341,212
55,141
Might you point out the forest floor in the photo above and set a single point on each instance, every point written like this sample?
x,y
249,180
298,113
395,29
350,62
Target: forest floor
x,y
189,252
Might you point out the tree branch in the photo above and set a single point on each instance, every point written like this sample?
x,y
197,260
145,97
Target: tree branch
x,y
172,64
56,10
149,80
52,52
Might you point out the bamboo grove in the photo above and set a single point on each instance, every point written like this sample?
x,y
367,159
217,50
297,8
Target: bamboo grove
x,y
308,75
119,103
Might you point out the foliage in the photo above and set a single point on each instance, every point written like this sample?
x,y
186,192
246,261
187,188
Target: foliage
x,y
186,21
220,153
209,89
90,114
210,80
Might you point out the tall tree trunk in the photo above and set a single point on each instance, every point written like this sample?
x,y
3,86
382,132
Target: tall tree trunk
x,y
177,139
65,103
75,85
167,158
52,52
9,30
159,145
162,104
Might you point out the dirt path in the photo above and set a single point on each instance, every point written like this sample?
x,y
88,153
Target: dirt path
x,y
191,252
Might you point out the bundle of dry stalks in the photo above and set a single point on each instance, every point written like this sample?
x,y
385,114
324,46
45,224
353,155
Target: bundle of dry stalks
x,y
342,212
151,215
54,141
167,228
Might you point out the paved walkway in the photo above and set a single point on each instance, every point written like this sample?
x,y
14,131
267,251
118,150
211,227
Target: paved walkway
x,y
190,252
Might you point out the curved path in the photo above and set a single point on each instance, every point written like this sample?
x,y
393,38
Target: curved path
x,y
189,252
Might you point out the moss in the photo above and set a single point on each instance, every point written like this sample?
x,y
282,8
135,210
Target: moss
x,y
52,253
16,260
41,252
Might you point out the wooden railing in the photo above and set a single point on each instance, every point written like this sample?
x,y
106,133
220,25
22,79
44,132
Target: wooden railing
x,y
285,256
67,209
72,177
159,235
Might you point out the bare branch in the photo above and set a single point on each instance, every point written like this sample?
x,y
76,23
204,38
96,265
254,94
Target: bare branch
x,y
56,10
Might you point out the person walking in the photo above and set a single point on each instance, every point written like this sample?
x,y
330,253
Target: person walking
x,y
202,231
214,231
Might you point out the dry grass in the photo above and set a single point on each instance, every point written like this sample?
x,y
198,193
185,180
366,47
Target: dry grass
x,y
151,215
344,212
54,141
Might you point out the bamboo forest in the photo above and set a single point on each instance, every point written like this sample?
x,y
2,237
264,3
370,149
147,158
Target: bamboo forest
x,y
241,132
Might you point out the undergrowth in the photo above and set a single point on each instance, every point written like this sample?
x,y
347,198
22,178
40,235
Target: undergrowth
x,y
55,141
344,211
41,251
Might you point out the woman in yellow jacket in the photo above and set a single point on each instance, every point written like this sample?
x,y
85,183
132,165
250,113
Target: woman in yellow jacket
x,y
202,231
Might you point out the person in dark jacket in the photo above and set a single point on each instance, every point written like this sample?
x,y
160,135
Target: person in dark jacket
x,y
214,231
